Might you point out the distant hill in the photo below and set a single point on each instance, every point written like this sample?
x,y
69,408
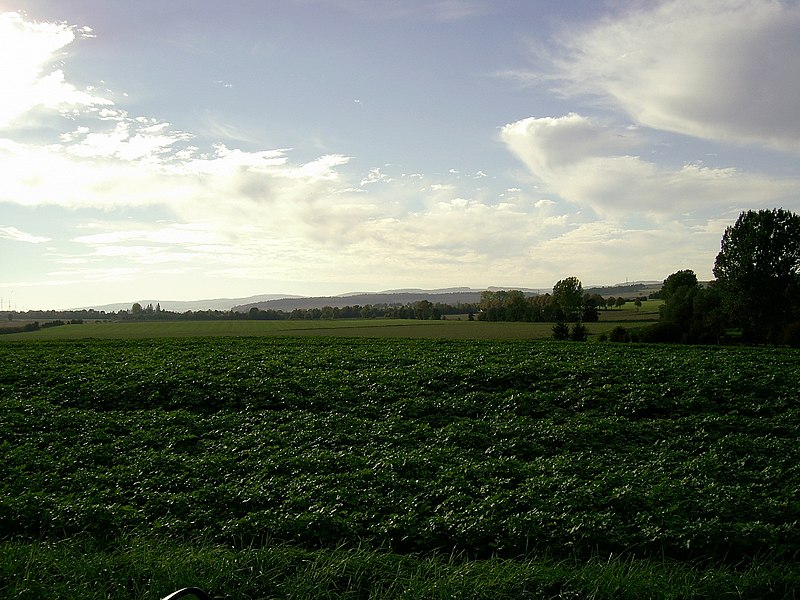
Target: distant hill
x,y
181,306
391,297
288,302
452,296
637,288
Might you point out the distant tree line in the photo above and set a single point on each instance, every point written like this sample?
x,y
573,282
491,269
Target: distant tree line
x,y
35,326
568,303
53,315
422,310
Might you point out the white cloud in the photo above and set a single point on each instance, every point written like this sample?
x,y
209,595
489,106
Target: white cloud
x,y
719,69
226,161
590,164
319,169
26,52
146,165
129,140
374,176
12,233
550,143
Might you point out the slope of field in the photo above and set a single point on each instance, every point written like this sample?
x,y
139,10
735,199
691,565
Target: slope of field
x,y
361,465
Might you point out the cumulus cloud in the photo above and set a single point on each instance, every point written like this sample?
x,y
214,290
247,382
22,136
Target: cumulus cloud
x,y
550,143
594,165
723,70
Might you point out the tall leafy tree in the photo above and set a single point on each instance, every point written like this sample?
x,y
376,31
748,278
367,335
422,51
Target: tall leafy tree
x,y
679,279
568,295
758,270
678,292
690,312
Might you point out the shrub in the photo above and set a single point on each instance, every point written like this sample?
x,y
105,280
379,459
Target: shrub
x,y
560,331
579,333
663,332
619,334
792,335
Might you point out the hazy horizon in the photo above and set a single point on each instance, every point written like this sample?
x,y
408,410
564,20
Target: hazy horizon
x,y
225,303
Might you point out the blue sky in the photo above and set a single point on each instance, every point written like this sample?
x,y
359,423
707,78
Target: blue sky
x,y
198,149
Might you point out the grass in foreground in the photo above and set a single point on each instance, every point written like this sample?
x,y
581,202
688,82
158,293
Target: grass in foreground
x,y
143,568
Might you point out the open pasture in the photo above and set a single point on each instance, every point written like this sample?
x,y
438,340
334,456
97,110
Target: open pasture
x,y
647,312
379,328
538,468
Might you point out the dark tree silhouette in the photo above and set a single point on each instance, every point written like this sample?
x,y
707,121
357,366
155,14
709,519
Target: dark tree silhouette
x,y
758,270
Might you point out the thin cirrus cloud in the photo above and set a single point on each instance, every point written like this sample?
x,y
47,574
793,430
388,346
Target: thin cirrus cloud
x,y
180,234
721,70
12,233
606,245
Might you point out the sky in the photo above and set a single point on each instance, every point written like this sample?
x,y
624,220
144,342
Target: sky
x,y
197,149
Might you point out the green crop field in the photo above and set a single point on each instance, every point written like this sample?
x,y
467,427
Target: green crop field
x,y
340,327
310,467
